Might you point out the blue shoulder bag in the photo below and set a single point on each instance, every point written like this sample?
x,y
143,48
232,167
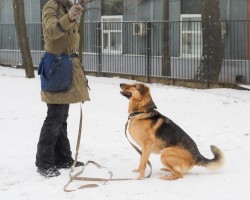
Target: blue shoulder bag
x,y
55,72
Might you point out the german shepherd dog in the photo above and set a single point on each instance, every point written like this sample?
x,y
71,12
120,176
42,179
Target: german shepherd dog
x,y
154,132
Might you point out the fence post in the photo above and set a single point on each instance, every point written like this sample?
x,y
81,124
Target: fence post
x,y
209,50
148,51
99,48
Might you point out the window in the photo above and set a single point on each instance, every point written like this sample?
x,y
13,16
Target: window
x,y
111,34
191,35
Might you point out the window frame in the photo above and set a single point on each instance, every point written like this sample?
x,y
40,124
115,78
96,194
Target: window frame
x,y
198,51
110,31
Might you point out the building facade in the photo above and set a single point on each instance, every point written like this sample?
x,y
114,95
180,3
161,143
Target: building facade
x,y
127,29
146,10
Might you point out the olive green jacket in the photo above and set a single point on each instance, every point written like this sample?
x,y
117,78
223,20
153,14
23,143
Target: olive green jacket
x,y
61,36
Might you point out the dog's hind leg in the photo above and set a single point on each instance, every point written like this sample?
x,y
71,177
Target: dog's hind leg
x,y
165,169
174,176
177,160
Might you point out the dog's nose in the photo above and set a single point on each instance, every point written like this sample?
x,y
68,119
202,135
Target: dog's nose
x,y
121,84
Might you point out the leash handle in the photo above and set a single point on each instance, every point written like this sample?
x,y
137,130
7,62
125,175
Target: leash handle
x,y
74,177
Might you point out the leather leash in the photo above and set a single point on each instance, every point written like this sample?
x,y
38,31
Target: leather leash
x,y
76,176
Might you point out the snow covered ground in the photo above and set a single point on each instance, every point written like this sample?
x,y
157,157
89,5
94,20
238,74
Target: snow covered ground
x,y
216,116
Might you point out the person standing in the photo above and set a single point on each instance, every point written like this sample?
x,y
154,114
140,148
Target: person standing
x,y
61,37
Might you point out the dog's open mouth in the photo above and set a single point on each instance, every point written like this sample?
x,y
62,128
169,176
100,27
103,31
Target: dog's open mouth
x,y
126,94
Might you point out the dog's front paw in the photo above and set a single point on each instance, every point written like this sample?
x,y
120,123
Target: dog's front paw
x,y
136,170
140,178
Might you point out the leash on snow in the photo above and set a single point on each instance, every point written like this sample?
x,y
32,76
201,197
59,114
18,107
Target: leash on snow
x,y
76,176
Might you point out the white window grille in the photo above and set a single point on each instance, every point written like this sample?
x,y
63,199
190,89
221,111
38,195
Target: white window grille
x,y
112,34
191,35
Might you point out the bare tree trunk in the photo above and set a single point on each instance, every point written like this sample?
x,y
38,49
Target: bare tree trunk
x,y
213,50
19,17
166,64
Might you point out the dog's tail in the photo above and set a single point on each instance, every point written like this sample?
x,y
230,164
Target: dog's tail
x,y
214,163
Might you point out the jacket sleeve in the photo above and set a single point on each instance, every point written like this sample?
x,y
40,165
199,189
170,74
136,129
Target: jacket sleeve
x,y
54,27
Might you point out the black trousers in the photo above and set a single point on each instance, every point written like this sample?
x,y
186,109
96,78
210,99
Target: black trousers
x,y
53,147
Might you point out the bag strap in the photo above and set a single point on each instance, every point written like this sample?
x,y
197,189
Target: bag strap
x,y
104,180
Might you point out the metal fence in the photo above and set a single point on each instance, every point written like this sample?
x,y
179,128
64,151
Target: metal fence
x,y
171,50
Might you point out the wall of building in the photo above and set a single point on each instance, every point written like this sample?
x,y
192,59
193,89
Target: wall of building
x,y
148,10
32,11
93,11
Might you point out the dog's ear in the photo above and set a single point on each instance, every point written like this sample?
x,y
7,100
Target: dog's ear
x,y
141,88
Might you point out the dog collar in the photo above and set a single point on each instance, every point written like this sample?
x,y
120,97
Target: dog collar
x,y
151,114
134,114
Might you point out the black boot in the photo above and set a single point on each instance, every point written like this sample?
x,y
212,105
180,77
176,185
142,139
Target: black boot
x,y
49,172
67,165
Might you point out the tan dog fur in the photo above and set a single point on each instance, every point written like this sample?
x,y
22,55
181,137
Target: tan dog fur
x,y
155,133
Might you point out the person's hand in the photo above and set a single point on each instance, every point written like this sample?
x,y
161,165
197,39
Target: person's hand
x,y
75,11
